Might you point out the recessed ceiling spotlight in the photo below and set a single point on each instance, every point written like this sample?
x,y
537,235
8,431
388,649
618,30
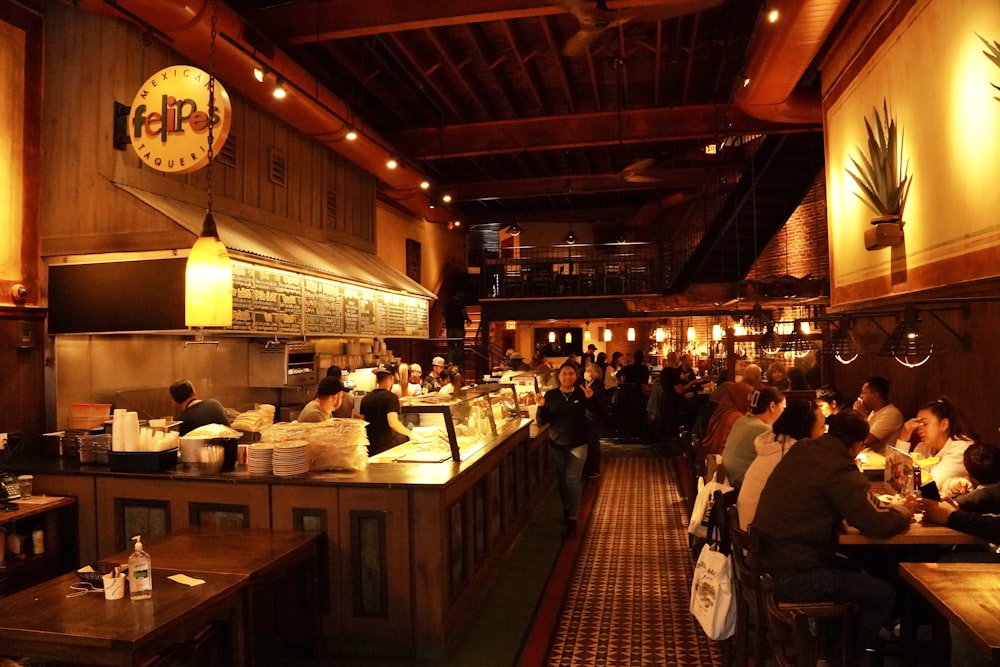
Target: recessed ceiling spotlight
x,y
446,198
424,185
351,135
772,16
391,163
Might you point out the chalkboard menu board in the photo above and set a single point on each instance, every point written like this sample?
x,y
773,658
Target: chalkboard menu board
x,y
274,302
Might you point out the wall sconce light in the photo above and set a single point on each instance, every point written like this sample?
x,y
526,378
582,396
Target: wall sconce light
x,y
630,334
842,344
770,342
552,336
796,343
907,343
514,230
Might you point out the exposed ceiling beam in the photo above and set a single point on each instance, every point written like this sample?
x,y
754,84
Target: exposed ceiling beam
x,y
675,178
579,130
307,21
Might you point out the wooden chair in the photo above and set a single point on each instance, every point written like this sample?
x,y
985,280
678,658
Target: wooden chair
x,y
789,624
750,612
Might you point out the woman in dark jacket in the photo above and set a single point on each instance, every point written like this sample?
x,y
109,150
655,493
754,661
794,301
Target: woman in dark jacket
x,y
564,410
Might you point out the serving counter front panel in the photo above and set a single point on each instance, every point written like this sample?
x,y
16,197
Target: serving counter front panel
x,y
412,546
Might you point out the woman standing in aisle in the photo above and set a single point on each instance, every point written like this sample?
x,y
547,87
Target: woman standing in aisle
x,y
564,410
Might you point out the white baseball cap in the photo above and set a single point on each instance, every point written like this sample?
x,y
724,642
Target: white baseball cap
x,y
437,361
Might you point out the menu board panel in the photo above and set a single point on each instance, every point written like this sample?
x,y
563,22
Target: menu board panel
x,y
274,302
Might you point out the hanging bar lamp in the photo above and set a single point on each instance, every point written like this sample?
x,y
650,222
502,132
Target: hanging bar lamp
x,y
208,275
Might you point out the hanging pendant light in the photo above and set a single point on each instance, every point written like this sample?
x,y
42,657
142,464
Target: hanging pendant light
x,y
907,344
208,275
630,334
586,334
796,343
569,337
716,332
770,342
514,230
842,343
552,336
692,334
607,334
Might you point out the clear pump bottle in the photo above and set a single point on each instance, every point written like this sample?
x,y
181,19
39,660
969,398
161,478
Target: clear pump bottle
x,y
140,573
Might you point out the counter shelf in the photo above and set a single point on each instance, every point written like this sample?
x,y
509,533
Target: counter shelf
x,y
454,427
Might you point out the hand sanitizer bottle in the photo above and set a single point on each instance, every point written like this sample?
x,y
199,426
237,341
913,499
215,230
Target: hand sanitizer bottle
x,y
140,573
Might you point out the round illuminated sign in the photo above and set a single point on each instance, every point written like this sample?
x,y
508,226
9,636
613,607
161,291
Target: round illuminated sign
x,y
169,120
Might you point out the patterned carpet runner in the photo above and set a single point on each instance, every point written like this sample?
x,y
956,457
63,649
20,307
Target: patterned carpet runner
x,y
627,603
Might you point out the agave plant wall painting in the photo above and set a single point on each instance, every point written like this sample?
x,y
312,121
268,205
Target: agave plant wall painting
x,y
883,179
993,53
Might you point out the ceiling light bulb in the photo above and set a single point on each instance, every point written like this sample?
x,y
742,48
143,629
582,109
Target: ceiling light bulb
x,y
258,73
458,223
279,91
391,163
446,198
424,185
772,16
351,135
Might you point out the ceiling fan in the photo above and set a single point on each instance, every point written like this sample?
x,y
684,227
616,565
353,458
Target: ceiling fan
x,y
595,17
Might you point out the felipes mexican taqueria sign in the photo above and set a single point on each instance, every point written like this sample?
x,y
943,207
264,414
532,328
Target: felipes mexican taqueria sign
x,y
169,120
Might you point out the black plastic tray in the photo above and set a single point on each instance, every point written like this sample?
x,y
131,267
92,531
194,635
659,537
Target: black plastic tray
x,y
143,461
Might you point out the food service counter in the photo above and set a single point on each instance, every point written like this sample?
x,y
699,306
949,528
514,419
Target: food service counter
x,y
411,546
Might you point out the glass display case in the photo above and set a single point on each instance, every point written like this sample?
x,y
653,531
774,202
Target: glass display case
x,y
454,427
529,384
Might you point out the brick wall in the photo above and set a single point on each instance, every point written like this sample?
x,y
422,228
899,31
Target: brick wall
x,y
801,247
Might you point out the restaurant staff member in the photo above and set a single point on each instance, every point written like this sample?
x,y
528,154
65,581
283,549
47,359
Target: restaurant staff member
x,y
346,408
194,411
329,394
380,408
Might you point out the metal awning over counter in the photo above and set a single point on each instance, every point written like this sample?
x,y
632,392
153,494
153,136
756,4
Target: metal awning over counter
x,y
259,241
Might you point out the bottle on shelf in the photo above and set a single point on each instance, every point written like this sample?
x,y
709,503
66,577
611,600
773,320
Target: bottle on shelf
x,y
140,573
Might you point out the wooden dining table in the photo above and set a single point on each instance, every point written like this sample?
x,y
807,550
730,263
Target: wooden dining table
x,y
967,594
42,622
236,565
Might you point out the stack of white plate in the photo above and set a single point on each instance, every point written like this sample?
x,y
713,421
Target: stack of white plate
x,y
291,458
259,458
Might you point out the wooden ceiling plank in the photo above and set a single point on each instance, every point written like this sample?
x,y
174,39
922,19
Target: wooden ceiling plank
x,y
581,129
519,58
533,187
453,67
491,61
443,98
379,86
559,67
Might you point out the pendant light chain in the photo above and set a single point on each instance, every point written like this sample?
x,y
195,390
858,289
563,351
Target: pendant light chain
x,y
211,99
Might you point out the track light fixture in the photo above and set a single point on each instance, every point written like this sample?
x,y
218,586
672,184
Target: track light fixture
x,y
279,91
391,163
425,185
259,72
351,135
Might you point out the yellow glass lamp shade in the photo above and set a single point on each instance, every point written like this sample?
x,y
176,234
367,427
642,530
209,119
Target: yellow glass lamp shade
x,y
208,281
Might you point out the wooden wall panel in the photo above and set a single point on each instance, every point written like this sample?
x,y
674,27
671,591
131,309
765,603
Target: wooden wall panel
x,y
84,489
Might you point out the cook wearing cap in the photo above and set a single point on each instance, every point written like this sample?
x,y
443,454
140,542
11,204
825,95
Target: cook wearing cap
x,y
380,408
432,381
329,395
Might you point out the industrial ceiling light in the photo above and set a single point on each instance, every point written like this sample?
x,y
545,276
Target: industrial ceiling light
x,y
796,342
514,230
842,344
770,342
907,344
757,320
208,273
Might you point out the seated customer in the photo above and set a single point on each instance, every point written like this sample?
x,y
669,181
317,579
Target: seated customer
x,y
829,400
799,420
978,512
766,406
944,436
814,488
884,419
732,405
327,400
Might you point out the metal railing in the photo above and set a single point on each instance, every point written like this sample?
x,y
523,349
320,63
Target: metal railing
x,y
572,270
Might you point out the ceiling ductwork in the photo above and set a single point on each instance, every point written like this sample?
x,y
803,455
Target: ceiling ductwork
x,y
186,25
780,54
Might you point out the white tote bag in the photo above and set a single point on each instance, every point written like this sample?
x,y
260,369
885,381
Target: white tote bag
x,y
713,600
698,525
